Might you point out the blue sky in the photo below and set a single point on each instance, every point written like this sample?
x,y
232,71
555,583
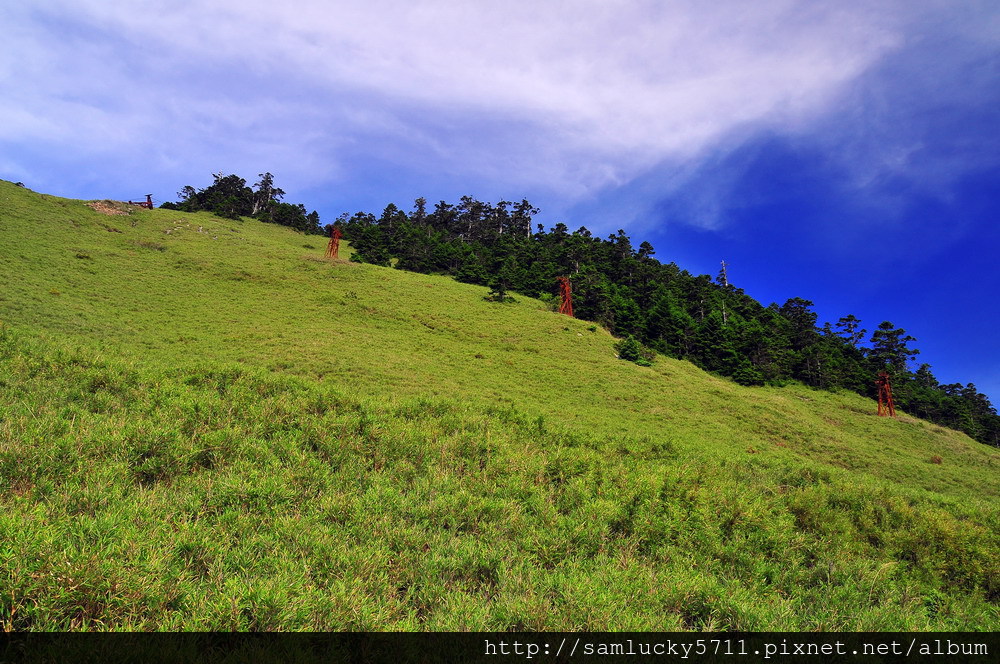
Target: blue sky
x,y
847,152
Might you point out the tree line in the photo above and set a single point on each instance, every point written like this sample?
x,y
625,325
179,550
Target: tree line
x,y
661,307
230,197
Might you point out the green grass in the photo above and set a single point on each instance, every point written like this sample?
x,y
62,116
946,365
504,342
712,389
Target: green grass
x,y
217,428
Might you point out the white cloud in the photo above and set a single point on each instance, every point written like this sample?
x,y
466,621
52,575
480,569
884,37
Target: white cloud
x,y
600,91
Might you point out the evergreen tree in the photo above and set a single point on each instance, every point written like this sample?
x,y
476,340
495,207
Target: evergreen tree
x,y
229,196
851,330
265,193
803,322
504,279
889,350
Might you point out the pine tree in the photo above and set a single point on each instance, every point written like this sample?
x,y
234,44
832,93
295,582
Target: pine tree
x,y
851,330
889,350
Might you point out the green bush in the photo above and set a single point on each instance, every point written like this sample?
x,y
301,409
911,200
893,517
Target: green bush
x,y
630,349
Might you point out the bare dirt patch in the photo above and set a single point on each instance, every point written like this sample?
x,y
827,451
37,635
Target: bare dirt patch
x,y
112,208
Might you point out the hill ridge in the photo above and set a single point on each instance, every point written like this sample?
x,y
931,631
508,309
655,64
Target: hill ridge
x,y
542,485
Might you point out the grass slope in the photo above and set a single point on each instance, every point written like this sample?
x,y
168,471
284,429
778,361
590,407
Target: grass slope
x,y
206,425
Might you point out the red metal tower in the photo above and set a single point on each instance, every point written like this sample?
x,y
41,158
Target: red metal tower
x,y
333,249
885,405
566,293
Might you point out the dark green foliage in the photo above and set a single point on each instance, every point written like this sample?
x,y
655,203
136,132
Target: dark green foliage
x,y
503,281
230,197
630,349
851,330
748,374
889,351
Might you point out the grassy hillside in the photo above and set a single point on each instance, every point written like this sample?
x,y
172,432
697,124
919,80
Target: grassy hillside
x,y
206,424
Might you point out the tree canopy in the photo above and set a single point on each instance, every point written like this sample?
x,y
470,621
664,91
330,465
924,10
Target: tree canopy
x,y
229,196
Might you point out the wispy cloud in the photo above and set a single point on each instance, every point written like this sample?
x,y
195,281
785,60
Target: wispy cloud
x,y
602,89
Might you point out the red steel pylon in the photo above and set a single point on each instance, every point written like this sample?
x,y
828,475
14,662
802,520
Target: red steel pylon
x,y
333,249
566,293
885,405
